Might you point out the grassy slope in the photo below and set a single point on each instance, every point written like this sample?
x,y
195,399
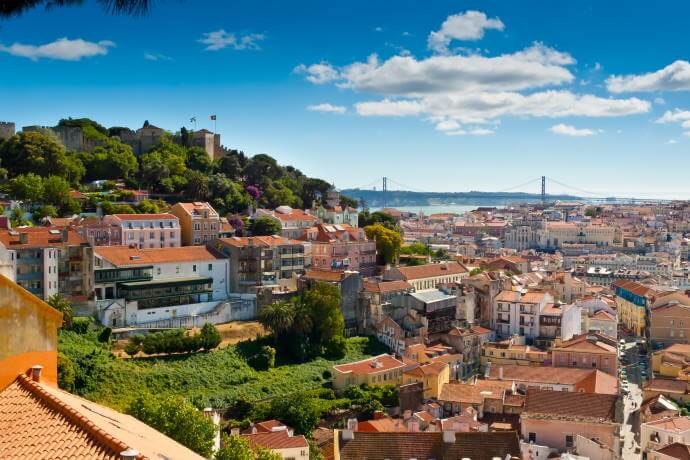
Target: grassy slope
x,y
215,378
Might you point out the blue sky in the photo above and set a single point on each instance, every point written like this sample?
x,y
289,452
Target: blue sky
x,y
461,95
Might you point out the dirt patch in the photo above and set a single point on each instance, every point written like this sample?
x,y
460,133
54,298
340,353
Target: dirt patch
x,y
230,333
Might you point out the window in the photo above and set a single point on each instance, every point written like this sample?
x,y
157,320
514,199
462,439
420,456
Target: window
x,y
569,441
532,437
210,267
194,268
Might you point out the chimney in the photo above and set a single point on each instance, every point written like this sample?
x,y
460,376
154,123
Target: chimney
x,y
23,238
352,424
64,236
413,426
36,372
500,373
348,435
235,431
215,418
449,437
129,454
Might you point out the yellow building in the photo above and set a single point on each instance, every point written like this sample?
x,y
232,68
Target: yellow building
x,y
379,370
432,376
512,351
200,223
633,299
671,361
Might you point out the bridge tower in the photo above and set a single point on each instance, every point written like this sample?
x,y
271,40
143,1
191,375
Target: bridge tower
x,y
543,189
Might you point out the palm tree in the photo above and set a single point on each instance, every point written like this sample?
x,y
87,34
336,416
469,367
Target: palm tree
x,y
131,7
61,304
278,318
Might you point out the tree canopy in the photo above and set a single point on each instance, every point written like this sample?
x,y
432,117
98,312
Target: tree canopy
x,y
388,242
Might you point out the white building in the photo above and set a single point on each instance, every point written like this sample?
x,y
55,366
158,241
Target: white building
x,y
518,312
147,230
177,285
668,430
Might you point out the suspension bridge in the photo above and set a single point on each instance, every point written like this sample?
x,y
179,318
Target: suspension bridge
x,y
535,186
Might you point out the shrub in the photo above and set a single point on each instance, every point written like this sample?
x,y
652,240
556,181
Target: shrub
x,y
327,375
81,324
209,337
336,347
132,348
264,359
104,335
66,372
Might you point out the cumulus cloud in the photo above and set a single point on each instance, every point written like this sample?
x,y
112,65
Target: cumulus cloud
x,y
220,39
447,125
327,108
674,116
484,107
62,49
569,130
673,77
533,67
467,26
318,73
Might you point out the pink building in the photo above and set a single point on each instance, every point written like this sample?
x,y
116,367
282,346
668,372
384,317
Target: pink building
x,y
556,418
98,232
147,230
587,351
338,247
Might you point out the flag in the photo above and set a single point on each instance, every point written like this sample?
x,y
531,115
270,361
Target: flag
x,y
212,117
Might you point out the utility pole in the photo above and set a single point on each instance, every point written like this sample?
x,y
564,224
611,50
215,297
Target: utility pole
x,y
543,189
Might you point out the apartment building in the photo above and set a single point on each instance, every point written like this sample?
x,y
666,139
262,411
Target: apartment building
x,y
379,370
341,247
147,230
587,351
97,231
199,222
659,433
47,261
428,276
669,320
519,312
135,286
293,222
258,262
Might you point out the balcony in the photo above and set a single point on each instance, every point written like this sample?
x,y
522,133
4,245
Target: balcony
x,y
502,320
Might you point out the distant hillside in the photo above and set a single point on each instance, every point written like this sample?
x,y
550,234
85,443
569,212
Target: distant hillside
x,y
375,198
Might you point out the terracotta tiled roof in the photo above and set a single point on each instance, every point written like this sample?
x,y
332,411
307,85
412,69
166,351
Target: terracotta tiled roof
x,y
591,342
325,275
40,421
587,378
382,425
164,215
426,445
675,424
474,393
386,286
263,241
431,270
276,440
39,237
380,363
569,405
515,296
666,385
124,255
675,450
603,315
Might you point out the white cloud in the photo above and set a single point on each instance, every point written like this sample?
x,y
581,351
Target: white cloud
x,y
466,26
157,57
673,77
671,141
485,107
447,125
674,116
318,73
62,49
597,66
378,29
569,130
533,67
389,108
220,39
327,108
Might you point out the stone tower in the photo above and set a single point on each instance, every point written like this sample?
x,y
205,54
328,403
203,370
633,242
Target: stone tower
x,y
7,129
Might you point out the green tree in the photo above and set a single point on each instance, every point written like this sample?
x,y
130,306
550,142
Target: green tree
x,y
264,225
366,218
38,153
209,337
198,160
177,418
475,271
27,187
61,304
66,372
300,411
17,217
388,242
55,190
235,447
111,160
197,187
278,318
47,210
163,167
148,207
323,301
